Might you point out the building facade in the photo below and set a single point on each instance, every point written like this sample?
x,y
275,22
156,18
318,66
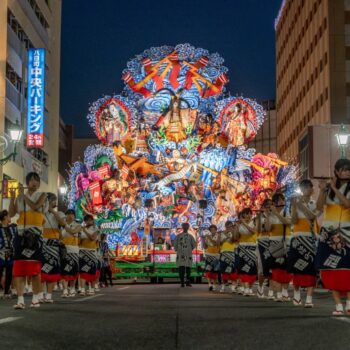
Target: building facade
x,y
265,140
26,24
312,71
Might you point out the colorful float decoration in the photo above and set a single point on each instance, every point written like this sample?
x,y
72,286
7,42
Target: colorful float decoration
x,y
171,141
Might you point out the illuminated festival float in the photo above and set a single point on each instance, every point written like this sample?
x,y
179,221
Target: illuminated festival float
x,y
172,151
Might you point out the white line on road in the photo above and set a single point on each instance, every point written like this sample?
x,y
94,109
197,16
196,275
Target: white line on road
x,y
344,319
90,297
9,319
123,288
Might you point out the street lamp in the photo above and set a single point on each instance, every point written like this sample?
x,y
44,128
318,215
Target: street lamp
x,y
63,190
342,139
15,136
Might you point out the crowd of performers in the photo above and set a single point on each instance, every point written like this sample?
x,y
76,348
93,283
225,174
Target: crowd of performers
x,y
281,244
47,248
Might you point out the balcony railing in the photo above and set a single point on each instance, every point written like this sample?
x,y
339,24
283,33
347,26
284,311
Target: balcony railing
x,y
13,95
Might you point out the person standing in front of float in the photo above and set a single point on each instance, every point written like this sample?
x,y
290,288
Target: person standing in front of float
x,y
333,253
263,253
70,263
87,255
302,250
212,255
279,222
51,263
228,262
247,261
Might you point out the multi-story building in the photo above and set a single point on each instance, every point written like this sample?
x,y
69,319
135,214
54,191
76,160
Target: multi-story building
x,y
26,24
265,140
312,71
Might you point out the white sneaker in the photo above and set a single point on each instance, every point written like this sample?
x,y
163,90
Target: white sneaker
x,y
222,289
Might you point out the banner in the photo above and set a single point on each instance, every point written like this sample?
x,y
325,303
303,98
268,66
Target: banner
x,y
35,98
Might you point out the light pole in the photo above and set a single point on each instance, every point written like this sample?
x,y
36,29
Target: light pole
x,y
342,139
15,136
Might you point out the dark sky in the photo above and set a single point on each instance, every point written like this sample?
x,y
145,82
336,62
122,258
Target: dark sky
x,y
100,36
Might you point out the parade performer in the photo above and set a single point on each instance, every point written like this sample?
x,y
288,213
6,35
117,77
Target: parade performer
x,y
333,254
87,255
51,262
279,227
302,250
28,243
228,261
70,263
247,262
263,253
212,255
7,234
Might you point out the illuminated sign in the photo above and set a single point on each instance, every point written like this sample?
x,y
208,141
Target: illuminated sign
x,y
35,98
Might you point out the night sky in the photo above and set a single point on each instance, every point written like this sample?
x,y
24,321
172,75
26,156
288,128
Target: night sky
x,y
98,40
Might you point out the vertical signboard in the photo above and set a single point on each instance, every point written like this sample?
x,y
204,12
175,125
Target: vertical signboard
x,y
35,98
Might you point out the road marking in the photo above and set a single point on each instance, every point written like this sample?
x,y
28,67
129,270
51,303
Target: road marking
x,y
344,319
123,288
9,319
90,297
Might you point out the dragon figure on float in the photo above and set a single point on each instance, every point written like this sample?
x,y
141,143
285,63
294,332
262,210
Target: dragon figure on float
x,y
173,137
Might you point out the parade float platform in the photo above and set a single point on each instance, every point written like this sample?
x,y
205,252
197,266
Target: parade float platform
x,y
158,265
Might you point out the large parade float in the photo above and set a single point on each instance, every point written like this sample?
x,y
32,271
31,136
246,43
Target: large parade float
x,y
173,150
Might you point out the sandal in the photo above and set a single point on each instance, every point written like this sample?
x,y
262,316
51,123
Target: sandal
x,y
296,302
338,313
19,306
35,305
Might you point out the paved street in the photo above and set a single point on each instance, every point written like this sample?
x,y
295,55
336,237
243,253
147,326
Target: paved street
x,y
168,317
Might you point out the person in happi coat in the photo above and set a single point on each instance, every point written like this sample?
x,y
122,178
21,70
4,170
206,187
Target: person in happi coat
x,y
302,250
333,253
184,244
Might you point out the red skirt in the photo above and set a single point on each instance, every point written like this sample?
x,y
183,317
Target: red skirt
x,y
88,276
45,277
68,278
304,280
26,268
247,278
211,275
229,276
338,280
281,276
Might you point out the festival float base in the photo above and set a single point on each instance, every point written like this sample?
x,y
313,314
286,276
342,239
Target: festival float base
x,y
173,150
160,265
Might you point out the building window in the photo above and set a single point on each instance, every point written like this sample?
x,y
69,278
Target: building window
x,y
40,155
13,77
18,30
38,13
304,157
